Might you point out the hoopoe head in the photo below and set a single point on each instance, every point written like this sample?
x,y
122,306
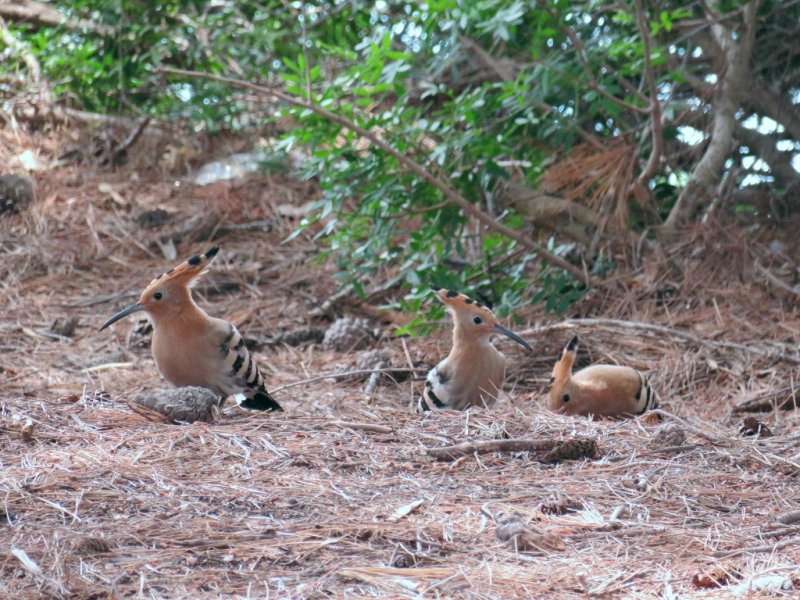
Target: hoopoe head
x,y
561,387
472,320
168,294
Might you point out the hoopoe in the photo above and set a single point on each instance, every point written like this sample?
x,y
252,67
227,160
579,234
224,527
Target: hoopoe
x,y
473,372
601,390
192,348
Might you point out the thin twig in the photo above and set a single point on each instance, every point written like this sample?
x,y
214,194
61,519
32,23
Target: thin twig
x,y
371,427
449,192
755,549
775,280
661,329
593,83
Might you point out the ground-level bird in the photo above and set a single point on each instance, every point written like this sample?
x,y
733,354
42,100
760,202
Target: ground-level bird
x,y
190,347
601,390
473,372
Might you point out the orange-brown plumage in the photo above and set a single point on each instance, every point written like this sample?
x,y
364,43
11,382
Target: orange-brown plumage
x,y
602,390
192,348
473,372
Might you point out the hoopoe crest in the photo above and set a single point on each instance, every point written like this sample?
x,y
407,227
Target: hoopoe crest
x,y
473,372
601,390
192,348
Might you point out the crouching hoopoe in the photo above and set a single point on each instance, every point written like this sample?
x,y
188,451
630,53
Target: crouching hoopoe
x,y
192,348
602,390
473,372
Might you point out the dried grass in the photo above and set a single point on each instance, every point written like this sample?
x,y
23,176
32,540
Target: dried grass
x,y
338,497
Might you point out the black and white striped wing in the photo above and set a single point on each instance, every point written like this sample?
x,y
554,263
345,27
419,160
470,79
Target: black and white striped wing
x,y
243,375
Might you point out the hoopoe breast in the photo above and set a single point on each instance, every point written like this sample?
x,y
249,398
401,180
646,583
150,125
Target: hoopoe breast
x,y
458,385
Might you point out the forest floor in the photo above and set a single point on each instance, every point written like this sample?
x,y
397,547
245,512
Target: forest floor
x,y
338,496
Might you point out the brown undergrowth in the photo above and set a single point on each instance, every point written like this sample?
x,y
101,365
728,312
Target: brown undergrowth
x,y
338,496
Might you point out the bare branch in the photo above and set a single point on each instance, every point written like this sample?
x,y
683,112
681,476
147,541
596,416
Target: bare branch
x,y
655,107
43,15
699,189
451,194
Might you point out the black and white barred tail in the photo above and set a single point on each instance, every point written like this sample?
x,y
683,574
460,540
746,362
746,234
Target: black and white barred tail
x,y
646,398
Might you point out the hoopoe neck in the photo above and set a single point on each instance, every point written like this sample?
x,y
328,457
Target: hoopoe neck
x,y
465,346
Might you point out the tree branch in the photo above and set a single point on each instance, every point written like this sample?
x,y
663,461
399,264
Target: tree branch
x,y
595,85
700,188
655,107
43,15
451,194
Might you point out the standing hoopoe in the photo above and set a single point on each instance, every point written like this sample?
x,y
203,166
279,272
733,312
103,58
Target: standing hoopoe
x,y
192,348
602,390
473,372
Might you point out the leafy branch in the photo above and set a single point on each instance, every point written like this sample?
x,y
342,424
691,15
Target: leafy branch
x,y
451,194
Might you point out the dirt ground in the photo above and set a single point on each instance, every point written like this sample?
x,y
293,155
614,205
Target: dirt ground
x,y
338,496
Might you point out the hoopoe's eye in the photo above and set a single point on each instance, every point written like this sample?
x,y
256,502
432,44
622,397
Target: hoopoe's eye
x,y
566,398
552,379
158,295
477,320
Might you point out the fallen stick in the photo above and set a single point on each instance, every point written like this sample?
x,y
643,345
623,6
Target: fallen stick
x,y
454,452
371,427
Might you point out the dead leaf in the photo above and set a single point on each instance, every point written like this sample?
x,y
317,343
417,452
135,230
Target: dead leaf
x,y
406,510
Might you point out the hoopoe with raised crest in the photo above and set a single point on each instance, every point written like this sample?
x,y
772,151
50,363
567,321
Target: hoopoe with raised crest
x,y
473,372
600,390
192,348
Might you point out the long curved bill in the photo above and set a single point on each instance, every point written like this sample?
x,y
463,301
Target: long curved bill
x,y
134,308
510,334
